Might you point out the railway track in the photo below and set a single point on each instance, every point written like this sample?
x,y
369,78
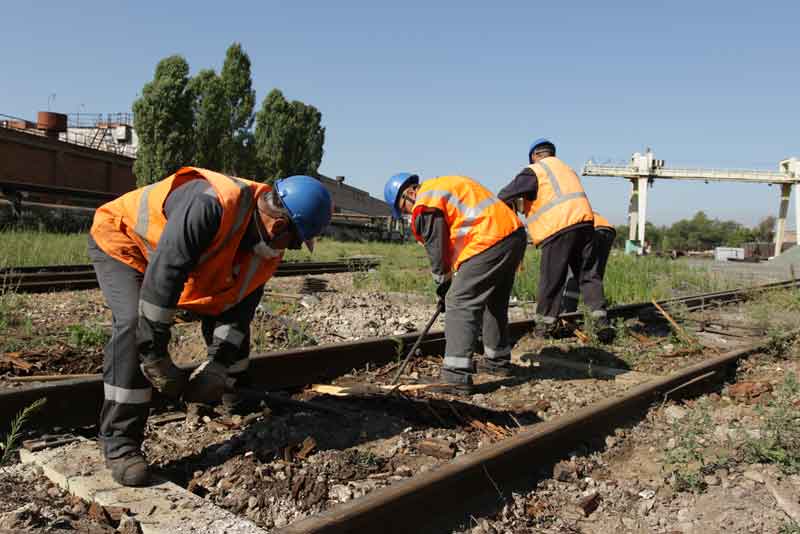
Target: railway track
x,y
71,277
411,504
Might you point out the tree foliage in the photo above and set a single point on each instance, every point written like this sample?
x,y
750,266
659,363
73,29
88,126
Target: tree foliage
x,y
210,109
240,98
163,120
207,121
288,137
702,233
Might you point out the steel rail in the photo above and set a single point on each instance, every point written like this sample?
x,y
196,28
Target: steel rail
x,y
298,367
64,277
430,497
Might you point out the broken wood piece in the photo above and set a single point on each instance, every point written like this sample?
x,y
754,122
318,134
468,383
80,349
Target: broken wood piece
x,y
366,389
164,418
748,390
308,445
51,378
289,296
48,441
643,340
437,448
589,503
15,359
675,326
583,338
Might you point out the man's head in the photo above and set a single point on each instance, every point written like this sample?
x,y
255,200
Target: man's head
x,y
294,212
400,193
540,149
275,224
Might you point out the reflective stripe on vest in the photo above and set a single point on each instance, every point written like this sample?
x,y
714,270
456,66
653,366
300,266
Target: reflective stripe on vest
x,y
476,219
559,198
560,202
130,227
244,208
469,215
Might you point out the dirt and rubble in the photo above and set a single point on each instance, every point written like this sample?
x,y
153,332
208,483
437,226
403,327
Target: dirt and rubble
x,y
64,332
31,503
275,465
724,462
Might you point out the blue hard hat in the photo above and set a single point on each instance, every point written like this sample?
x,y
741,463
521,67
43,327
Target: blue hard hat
x,y
537,142
309,205
394,188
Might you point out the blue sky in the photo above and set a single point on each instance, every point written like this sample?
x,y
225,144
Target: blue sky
x,y
460,87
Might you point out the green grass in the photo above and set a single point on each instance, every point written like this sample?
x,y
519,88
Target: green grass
x,y
9,443
87,337
404,267
20,248
779,441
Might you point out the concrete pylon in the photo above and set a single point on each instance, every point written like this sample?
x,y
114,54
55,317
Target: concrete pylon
x,y
642,210
786,191
633,210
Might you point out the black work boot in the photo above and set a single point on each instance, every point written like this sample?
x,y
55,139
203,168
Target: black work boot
x,y
130,469
605,332
496,366
457,381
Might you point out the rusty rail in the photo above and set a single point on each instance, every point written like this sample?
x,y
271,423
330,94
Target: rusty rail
x,y
67,277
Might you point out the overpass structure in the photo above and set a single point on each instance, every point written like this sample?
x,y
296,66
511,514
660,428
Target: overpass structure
x,y
644,169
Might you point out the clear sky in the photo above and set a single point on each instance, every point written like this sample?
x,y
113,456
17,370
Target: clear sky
x,y
446,87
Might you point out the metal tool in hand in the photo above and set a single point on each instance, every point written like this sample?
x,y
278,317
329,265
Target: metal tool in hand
x,y
416,344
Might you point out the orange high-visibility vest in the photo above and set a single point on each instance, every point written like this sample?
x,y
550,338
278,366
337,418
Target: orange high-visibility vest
x,y
129,228
602,222
476,218
560,200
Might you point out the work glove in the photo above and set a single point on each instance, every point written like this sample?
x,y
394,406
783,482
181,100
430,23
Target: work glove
x,y
441,292
441,289
164,375
207,383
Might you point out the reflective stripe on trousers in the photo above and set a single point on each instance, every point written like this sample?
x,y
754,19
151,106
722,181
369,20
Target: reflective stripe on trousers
x,y
496,354
122,395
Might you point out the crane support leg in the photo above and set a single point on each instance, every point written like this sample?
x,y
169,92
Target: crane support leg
x,y
633,210
786,190
797,214
642,210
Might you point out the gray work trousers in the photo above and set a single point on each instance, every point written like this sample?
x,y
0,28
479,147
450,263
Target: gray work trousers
x,y
127,393
478,299
596,265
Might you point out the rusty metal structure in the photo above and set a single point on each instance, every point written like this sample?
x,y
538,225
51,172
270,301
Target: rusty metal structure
x,y
84,160
38,165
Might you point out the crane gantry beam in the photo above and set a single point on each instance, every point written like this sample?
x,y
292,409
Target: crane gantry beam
x,y
644,169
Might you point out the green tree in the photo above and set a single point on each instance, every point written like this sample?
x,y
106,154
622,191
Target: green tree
x,y
237,84
163,122
765,231
288,137
211,112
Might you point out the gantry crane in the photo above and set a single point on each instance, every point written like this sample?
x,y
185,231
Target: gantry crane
x,y
644,169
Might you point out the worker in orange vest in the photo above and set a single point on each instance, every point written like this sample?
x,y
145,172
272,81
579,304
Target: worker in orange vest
x,y
474,243
559,220
603,240
200,241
